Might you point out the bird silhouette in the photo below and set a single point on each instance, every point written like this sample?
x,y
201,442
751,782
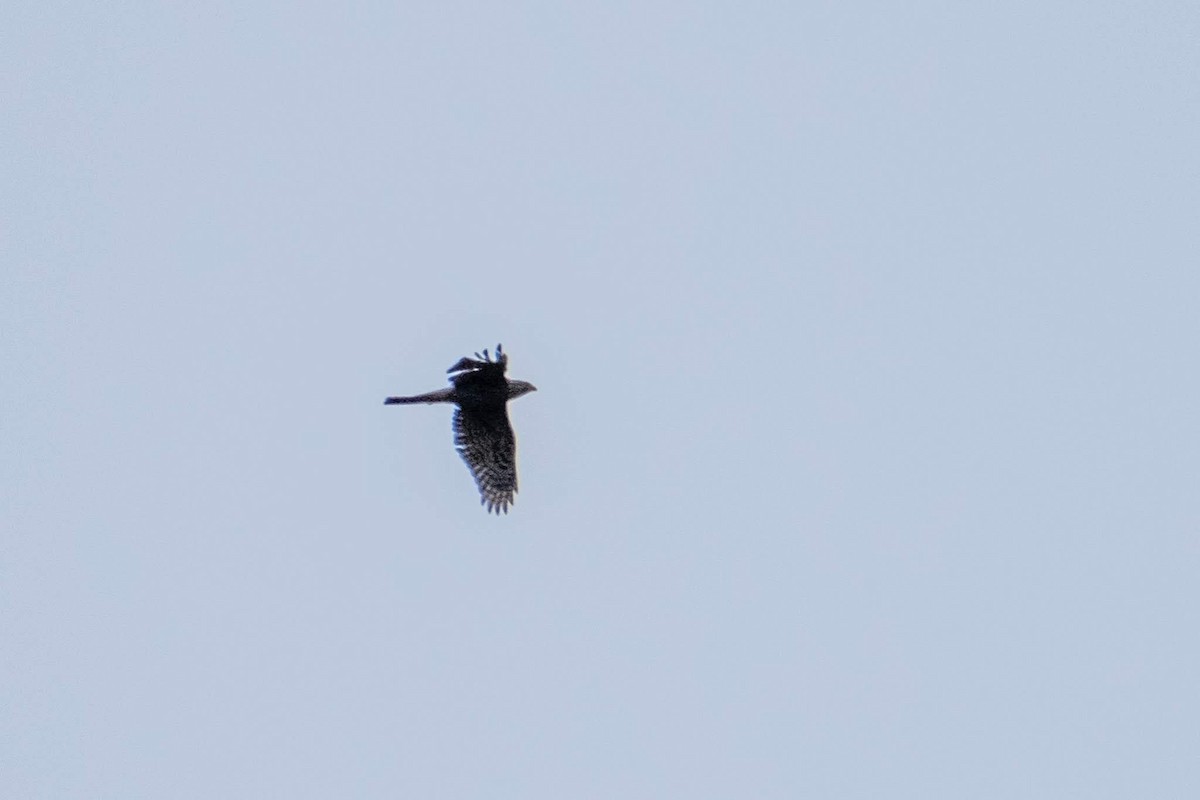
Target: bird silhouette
x,y
482,433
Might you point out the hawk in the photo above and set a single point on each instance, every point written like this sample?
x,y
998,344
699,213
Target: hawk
x,y
482,434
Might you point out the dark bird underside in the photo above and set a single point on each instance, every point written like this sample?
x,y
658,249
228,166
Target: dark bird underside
x,y
482,433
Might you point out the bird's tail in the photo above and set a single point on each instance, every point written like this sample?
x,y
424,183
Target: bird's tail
x,y
440,396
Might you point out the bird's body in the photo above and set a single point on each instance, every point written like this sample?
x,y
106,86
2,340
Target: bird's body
x,y
482,434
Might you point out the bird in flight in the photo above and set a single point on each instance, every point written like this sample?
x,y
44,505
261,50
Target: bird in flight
x,y
482,434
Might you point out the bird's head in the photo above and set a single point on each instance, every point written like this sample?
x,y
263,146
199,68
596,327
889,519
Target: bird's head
x,y
518,388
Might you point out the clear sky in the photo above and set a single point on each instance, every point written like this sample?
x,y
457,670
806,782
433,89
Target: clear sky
x,y
865,455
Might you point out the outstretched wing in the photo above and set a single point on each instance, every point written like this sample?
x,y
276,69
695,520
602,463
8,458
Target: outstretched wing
x,y
484,438
482,365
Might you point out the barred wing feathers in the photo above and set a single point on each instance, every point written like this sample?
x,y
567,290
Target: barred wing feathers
x,y
484,438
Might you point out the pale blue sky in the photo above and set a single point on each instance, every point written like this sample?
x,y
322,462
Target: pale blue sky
x,y
865,456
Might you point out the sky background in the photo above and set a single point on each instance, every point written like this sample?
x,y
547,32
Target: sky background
x,y
865,454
